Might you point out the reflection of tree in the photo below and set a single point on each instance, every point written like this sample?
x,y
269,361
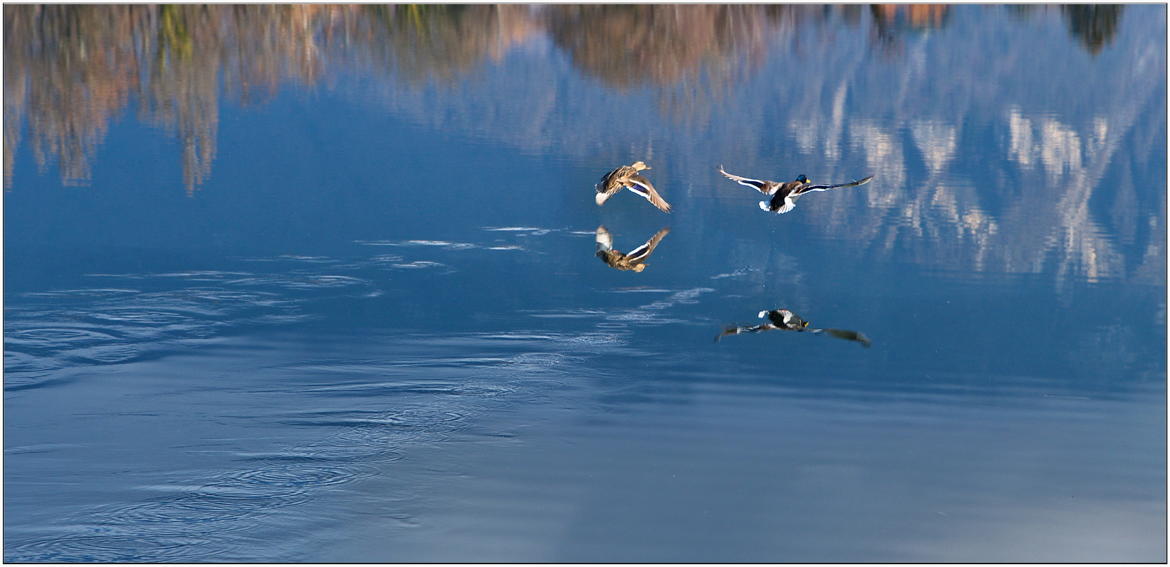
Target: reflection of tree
x,y
630,45
71,69
1093,24
892,20
67,83
692,55
424,42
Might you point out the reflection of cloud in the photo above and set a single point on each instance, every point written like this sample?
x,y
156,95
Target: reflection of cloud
x,y
936,141
884,159
814,130
1047,142
420,243
419,264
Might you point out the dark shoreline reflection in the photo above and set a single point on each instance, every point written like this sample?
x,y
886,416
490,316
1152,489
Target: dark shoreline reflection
x,y
635,260
785,320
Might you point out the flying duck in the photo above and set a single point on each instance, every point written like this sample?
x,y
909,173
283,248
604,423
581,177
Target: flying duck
x,y
627,176
635,260
784,194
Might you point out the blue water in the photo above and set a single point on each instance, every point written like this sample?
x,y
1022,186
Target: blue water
x,y
289,284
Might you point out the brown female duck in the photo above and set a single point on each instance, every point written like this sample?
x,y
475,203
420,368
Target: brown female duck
x,y
627,177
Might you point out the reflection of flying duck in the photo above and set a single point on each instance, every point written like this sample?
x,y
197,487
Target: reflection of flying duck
x,y
635,260
627,176
784,194
785,320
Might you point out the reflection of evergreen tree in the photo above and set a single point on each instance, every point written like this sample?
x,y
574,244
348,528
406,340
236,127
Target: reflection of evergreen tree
x,y
1093,24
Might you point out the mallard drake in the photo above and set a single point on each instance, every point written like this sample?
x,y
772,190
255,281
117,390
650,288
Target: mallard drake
x,y
635,260
784,194
785,320
627,176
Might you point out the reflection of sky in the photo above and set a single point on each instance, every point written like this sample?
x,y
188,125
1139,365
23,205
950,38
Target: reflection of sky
x,y
1008,171
970,142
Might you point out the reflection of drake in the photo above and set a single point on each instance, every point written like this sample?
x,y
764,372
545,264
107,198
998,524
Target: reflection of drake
x,y
785,320
635,260
784,194
627,177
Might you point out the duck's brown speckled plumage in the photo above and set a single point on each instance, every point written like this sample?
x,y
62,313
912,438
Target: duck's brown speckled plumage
x,y
627,177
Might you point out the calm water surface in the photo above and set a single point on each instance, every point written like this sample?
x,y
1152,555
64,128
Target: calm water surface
x,y
318,283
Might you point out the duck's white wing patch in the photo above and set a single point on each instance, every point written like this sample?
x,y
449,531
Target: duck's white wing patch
x,y
642,186
639,190
639,252
642,252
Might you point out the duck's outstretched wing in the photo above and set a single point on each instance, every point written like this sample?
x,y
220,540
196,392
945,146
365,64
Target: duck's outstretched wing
x,y
758,185
736,329
642,186
641,253
861,181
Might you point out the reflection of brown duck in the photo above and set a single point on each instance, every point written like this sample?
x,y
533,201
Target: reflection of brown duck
x,y
785,320
784,194
627,177
635,260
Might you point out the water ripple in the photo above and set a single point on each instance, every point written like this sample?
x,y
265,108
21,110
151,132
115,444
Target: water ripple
x,y
51,330
105,548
